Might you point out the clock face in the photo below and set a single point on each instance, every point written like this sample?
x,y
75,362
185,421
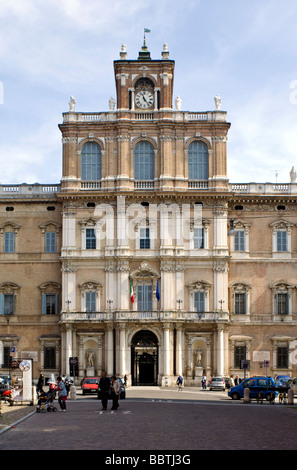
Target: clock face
x,y
144,99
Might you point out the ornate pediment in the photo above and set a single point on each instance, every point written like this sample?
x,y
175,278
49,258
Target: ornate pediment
x,y
144,271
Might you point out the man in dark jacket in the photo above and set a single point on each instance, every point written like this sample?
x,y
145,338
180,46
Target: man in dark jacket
x,y
104,386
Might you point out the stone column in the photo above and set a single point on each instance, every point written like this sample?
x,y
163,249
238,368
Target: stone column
x,y
166,352
81,358
109,350
179,358
190,358
68,348
122,350
220,349
100,357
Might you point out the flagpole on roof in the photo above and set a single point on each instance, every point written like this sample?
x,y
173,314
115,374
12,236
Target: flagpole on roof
x,y
146,30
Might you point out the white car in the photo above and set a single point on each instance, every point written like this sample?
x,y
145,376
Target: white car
x,y
217,383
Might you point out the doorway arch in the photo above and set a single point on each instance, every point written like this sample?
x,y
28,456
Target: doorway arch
x,y
144,358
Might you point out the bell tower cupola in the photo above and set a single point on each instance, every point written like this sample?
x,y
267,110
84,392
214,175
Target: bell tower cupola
x,y
144,85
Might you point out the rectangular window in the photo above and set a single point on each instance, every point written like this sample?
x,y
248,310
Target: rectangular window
x,y
240,304
7,304
50,242
144,242
239,355
281,240
49,304
239,240
144,297
282,358
282,304
6,357
199,303
90,239
49,358
198,238
90,301
9,242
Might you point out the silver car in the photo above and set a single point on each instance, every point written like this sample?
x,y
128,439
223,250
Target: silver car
x,y
292,383
217,383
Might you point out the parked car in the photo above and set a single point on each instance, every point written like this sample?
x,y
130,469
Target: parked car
x,y
6,378
217,383
265,385
227,382
292,383
90,385
122,390
281,380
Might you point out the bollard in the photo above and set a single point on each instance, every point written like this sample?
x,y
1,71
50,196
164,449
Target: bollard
x,y
290,397
246,396
73,392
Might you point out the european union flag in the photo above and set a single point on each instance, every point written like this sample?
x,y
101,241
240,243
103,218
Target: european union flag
x,y
158,292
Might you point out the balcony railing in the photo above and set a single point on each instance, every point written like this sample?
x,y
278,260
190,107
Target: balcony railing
x,y
29,190
263,188
198,184
89,185
144,184
156,316
101,117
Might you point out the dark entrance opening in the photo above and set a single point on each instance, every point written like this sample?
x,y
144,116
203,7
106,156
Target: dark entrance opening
x,y
144,358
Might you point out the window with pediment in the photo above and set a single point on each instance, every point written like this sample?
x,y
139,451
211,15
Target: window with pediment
x,y
282,301
9,232
240,299
8,296
90,296
281,237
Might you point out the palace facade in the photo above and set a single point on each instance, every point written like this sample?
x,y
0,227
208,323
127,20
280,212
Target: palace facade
x,y
145,260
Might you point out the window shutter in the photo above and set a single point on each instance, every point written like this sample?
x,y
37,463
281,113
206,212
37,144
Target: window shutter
x,y
43,304
2,304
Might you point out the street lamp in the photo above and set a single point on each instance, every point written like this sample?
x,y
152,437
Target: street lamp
x,y
231,231
109,301
179,301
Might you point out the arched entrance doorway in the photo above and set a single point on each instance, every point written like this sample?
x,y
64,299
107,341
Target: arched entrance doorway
x,y
144,358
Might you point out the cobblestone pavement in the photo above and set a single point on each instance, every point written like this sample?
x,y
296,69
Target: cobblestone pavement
x,y
161,421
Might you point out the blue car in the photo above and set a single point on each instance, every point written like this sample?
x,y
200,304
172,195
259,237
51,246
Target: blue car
x,y
265,385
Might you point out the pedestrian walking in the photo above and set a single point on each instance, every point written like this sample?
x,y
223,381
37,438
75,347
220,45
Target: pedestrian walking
x,y
125,380
115,392
179,383
40,383
62,394
104,386
204,382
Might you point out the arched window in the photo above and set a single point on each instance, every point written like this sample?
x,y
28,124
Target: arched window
x,y
144,161
198,161
91,162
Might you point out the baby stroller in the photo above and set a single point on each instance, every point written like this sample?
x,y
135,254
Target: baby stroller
x,y
46,401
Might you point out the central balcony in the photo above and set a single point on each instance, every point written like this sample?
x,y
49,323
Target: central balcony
x,y
150,316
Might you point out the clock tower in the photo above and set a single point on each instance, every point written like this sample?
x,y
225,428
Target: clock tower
x,y
144,85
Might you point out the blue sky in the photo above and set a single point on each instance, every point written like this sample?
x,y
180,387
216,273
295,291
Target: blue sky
x,y
245,51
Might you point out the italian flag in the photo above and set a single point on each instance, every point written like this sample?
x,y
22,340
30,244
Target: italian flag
x,y
131,293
